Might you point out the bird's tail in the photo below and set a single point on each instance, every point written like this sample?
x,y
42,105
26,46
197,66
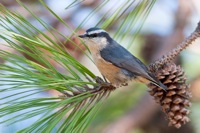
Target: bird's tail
x,y
161,85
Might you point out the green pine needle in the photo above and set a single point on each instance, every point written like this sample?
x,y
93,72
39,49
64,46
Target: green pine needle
x,y
23,79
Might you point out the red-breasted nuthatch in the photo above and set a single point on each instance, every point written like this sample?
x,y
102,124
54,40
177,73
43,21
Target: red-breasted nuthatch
x,y
116,63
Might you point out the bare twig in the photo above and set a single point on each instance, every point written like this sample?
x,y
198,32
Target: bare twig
x,y
176,51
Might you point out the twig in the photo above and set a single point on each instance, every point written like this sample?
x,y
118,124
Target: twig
x,y
176,51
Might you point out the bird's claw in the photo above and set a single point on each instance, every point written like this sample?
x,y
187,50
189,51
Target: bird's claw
x,y
103,84
98,80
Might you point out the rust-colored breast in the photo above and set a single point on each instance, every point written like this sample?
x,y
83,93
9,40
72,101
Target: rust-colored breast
x,y
110,71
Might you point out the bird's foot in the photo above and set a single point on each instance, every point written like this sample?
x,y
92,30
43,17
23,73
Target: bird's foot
x,y
103,84
125,84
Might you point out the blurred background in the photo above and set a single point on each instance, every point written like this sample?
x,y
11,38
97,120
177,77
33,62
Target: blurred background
x,y
129,109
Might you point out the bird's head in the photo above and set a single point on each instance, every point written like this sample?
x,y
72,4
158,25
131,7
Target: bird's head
x,y
96,36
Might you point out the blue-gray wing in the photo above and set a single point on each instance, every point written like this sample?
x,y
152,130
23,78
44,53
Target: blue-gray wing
x,y
120,57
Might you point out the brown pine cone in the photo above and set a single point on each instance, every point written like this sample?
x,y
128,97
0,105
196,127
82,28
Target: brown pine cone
x,y
175,101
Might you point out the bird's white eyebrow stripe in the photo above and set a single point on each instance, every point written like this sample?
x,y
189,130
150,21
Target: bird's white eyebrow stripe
x,y
96,31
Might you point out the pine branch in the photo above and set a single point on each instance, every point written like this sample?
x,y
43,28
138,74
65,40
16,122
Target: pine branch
x,y
103,89
33,70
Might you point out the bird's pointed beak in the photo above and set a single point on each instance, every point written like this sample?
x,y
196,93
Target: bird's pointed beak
x,y
82,36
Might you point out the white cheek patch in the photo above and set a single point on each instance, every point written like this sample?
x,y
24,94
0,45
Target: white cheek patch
x,y
96,31
100,42
104,41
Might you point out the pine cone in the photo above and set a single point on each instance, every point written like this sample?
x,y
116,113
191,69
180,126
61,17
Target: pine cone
x,y
175,101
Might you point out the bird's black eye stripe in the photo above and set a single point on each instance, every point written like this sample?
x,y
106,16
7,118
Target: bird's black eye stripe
x,y
93,35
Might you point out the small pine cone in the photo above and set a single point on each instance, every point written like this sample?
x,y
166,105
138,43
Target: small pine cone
x,y
175,101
